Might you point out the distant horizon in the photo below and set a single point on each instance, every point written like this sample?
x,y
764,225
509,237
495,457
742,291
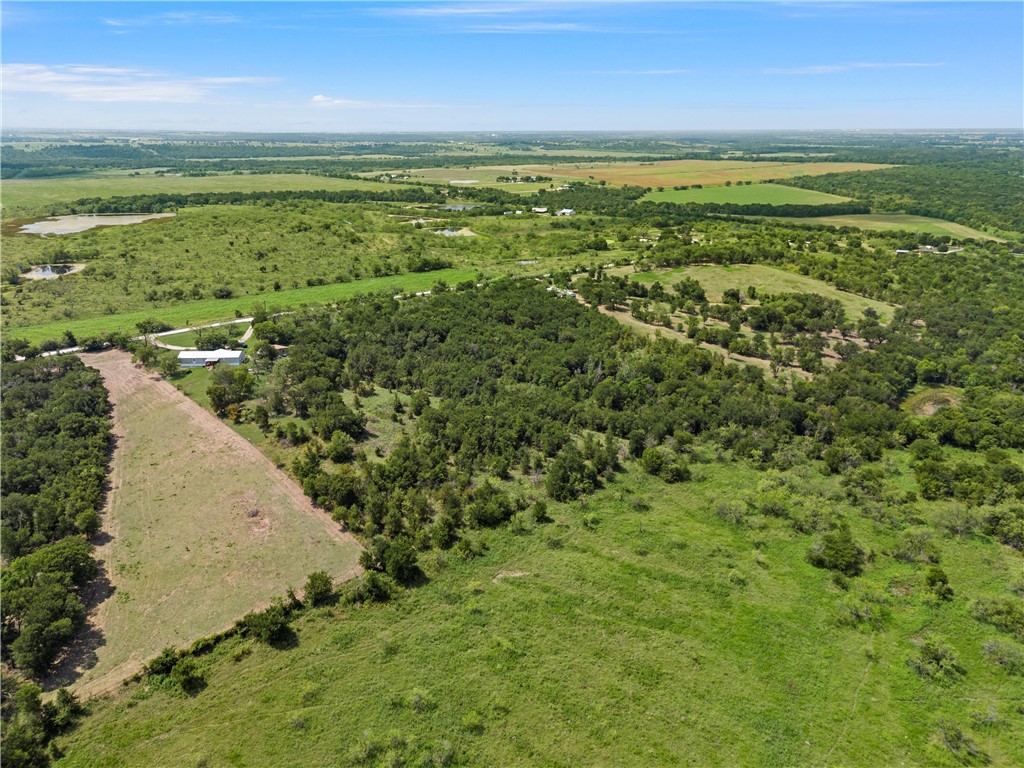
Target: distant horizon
x,y
515,66
517,132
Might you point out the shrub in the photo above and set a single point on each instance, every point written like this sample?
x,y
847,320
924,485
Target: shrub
x,y
1006,613
938,583
964,749
937,661
268,626
373,587
188,676
1006,655
837,551
319,589
869,610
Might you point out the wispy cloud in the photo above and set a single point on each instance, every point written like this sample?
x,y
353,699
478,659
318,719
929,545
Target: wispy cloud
x,y
532,27
457,9
175,18
828,69
97,83
328,101
642,72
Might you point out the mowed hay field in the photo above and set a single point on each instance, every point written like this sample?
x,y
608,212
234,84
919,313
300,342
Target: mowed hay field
x,y
643,631
769,194
670,173
487,176
202,528
716,279
23,197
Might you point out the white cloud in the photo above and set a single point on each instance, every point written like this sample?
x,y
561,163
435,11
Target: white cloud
x,y
457,9
531,27
327,101
97,83
175,18
828,69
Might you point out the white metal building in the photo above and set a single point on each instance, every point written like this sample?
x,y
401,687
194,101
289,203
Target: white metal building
x,y
198,358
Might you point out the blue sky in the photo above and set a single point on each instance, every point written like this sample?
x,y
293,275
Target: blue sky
x,y
527,65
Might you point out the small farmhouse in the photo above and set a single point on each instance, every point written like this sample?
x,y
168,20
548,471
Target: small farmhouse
x,y
565,212
198,358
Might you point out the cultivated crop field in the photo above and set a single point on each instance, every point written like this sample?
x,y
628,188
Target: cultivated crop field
x,y
202,528
669,173
769,194
28,197
717,278
653,630
487,176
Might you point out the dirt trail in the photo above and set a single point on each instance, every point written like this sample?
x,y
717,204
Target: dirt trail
x,y
199,528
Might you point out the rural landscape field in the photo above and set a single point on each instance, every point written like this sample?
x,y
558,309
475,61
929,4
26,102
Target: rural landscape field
x,y
563,413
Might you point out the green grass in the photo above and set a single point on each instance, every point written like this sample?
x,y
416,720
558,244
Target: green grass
x,y
653,635
26,197
188,338
213,310
716,279
771,194
930,399
887,222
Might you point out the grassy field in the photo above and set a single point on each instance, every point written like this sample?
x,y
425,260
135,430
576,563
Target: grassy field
x,y
188,338
930,399
715,279
213,310
641,630
886,222
27,197
670,173
771,194
187,555
486,176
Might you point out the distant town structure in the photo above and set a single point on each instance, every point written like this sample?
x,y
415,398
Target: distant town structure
x,y
198,358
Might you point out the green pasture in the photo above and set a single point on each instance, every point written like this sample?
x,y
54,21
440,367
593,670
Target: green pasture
x,y
640,629
768,194
189,338
716,279
888,222
27,197
213,310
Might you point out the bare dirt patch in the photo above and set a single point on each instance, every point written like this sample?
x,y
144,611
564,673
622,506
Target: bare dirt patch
x,y
200,527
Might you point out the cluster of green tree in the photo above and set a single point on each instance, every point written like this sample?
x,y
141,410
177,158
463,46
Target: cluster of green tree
x,y
984,193
29,724
55,447
168,202
650,208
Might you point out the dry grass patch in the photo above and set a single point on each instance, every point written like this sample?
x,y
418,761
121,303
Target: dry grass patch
x,y
200,528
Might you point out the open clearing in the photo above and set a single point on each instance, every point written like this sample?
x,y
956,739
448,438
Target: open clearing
x,y
201,528
928,401
716,278
25,196
610,649
887,222
770,194
670,173
211,310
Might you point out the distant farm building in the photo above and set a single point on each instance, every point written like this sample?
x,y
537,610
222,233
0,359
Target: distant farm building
x,y
198,358
539,210
565,212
